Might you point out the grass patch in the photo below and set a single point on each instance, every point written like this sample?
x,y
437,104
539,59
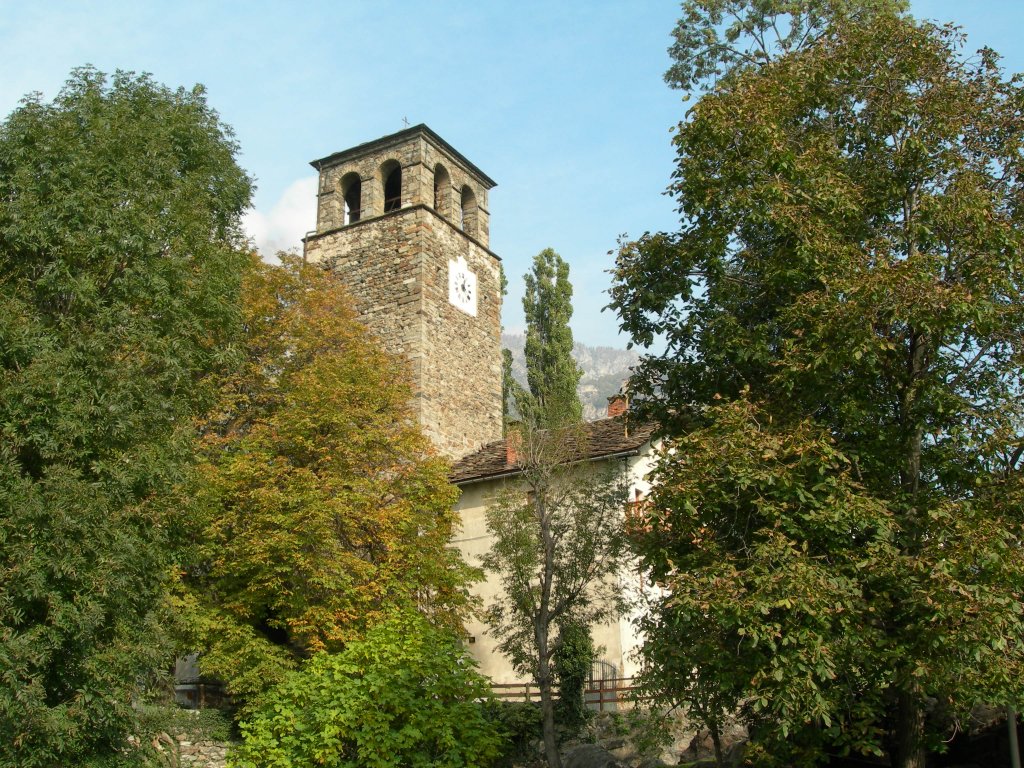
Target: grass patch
x,y
199,724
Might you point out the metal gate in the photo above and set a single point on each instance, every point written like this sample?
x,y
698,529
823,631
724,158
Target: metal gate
x,y
602,688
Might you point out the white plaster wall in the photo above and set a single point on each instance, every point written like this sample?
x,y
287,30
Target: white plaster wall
x,y
618,640
640,467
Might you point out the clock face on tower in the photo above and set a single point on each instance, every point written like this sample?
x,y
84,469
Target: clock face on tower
x,y
462,286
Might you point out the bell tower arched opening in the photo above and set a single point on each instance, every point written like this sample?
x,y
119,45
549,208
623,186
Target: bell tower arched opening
x,y
468,211
442,189
352,197
391,176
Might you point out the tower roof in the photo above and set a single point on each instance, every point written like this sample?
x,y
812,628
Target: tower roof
x,y
399,138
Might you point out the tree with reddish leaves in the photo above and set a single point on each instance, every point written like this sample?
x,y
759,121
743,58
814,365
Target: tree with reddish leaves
x,y
324,506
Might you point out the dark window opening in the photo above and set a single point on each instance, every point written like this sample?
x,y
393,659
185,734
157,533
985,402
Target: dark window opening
x,y
393,190
353,198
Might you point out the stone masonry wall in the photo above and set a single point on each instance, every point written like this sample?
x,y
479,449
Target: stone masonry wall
x,y
418,158
462,354
396,268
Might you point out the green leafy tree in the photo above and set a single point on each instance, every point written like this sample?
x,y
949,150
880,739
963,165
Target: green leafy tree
x,y
405,695
557,534
325,506
558,551
552,374
120,264
842,313
721,38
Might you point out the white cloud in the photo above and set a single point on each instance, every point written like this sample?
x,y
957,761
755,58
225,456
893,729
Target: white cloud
x,y
287,222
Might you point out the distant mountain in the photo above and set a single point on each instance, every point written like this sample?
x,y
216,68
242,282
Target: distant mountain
x,y
604,371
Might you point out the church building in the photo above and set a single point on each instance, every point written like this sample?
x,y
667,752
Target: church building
x,y
403,221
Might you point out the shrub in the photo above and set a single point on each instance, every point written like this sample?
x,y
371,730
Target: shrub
x,y
520,723
199,724
572,664
406,695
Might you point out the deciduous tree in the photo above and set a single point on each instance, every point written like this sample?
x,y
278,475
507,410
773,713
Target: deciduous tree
x,y
557,530
551,372
842,312
119,273
558,552
326,505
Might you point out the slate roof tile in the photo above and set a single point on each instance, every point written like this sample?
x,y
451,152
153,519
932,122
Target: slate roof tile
x,y
605,437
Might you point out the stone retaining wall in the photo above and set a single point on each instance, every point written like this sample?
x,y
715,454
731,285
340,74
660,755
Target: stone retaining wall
x,y
180,751
202,754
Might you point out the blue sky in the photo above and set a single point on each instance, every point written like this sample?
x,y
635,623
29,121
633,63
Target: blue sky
x,y
563,104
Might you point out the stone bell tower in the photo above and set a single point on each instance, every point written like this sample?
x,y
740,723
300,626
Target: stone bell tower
x,y
403,221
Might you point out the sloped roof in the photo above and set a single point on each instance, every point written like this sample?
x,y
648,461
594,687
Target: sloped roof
x,y
398,138
605,437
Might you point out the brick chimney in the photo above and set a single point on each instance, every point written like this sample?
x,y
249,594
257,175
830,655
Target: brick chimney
x,y
513,447
617,405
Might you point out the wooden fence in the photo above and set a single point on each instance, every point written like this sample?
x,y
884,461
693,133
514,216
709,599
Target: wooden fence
x,y
602,695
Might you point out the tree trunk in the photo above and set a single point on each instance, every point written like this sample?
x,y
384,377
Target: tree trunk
x,y
910,747
547,704
542,632
716,740
1011,724
909,742
547,708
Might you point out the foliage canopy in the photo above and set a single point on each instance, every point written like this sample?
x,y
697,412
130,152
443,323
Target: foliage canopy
x,y
120,258
326,507
843,317
405,695
723,38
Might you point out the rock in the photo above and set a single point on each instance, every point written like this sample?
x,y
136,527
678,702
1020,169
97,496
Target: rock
x,y
589,756
734,752
701,748
623,754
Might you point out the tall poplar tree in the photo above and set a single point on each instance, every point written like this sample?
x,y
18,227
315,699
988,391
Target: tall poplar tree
x,y
551,372
557,531
839,518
